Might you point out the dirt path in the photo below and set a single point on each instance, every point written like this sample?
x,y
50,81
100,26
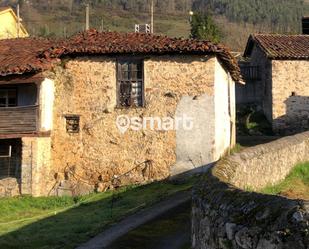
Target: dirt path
x,y
136,221
169,231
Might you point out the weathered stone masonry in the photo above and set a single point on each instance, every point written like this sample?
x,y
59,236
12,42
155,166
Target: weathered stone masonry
x,y
290,95
86,86
283,88
75,91
36,166
99,156
226,216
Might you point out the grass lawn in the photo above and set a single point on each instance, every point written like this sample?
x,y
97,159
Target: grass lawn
x,y
65,222
295,186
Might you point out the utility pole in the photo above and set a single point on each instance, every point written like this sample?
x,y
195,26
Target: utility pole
x,y
102,24
152,17
18,21
65,32
87,16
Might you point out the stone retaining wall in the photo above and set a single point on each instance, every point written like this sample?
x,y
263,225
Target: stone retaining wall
x,y
224,216
9,187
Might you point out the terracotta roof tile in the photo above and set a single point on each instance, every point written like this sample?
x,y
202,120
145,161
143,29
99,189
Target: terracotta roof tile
x,y
37,54
94,42
294,47
18,56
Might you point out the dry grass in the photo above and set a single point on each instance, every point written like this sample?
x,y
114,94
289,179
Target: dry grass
x,y
295,186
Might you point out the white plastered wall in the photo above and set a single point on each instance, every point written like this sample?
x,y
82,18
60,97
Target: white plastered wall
x,y
47,95
224,112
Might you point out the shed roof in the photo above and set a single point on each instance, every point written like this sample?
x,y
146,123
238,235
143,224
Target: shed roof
x,y
283,47
22,55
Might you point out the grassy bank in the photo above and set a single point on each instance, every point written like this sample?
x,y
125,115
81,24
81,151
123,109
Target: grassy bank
x,y
296,184
65,222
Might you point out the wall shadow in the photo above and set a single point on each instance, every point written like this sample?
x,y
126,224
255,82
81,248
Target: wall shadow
x,y
296,119
244,219
77,225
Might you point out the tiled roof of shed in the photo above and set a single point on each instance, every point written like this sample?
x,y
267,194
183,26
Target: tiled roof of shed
x,y
295,47
37,54
18,56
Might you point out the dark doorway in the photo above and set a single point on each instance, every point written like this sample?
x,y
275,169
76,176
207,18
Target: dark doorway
x,y
10,158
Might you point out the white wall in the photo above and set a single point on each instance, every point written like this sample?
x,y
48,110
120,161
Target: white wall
x,y
194,148
47,95
224,113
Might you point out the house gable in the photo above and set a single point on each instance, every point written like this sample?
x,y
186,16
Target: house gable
x,y
8,27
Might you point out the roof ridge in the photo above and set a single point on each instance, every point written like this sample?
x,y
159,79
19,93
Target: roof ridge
x,y
277,34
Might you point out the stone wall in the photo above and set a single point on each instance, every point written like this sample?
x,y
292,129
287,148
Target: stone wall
x,y
290,78
225,216
280,81
9,187
36,176
99,155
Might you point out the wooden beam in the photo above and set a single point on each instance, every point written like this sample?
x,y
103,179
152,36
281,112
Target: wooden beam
x,y
21,135
21,79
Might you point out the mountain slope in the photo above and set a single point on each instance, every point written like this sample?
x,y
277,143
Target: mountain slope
x,y
236,18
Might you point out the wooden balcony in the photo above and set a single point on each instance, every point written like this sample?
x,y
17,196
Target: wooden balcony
x,y
19,120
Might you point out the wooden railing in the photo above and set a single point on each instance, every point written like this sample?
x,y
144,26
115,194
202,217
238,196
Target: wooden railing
x,y
18,120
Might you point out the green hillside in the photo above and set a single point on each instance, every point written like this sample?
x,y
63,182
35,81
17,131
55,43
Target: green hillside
x,y
235,18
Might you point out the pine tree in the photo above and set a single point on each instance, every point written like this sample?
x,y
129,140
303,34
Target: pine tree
x,y
204,28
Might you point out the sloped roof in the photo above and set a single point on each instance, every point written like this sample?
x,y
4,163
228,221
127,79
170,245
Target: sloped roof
x,y
36,54
4,8
22,55
293,47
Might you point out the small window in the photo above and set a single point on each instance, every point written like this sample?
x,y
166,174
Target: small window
x,y
72,124
130,83
5,151
8,97
10,159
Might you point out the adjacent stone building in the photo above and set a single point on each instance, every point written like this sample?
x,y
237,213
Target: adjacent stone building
x,y
277,80
75,115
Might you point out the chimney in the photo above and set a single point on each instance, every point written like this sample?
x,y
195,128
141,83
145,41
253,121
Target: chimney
x,y
305,25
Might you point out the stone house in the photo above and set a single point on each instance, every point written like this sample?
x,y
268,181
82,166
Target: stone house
x,y
60,103
276,72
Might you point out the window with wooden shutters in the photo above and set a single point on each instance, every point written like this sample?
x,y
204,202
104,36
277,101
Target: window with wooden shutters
x,y
130,83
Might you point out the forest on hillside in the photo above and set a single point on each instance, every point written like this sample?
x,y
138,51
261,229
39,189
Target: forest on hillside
x,y
283,14
280,15
236,18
